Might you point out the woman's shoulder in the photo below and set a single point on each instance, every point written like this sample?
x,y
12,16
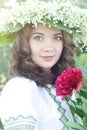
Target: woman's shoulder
x,y
20,80
19,85
18,90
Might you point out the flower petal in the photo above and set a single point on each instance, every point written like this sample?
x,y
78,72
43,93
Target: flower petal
x,y
80,85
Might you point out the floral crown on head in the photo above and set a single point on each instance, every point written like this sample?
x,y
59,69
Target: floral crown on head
x,y
63,16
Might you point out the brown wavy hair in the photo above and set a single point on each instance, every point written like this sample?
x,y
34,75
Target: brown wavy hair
x,y
22,65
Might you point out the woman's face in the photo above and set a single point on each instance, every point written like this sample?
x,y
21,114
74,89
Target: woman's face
x,y
46,44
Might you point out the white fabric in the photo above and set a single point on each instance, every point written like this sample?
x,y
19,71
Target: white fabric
x,y
25,106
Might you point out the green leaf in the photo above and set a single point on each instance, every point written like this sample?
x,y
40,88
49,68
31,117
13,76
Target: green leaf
x,y
80,112
77,109
15,28
84,105
6,38
1,125
58,25
83,93
74,125
85,121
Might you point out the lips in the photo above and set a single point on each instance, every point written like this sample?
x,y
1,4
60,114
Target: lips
x,y
47,58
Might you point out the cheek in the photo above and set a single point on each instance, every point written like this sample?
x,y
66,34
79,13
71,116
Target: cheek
x,y
59,48
32,46
34,49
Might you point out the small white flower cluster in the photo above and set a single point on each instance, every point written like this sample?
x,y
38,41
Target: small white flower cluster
x,y
72,19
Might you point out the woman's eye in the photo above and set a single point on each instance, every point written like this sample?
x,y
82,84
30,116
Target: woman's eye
x,y
38,38
58,37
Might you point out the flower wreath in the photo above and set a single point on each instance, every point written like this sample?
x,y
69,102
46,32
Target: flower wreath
x,y
64,16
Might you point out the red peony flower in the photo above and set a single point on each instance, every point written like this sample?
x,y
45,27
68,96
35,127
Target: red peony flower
x,y
70,79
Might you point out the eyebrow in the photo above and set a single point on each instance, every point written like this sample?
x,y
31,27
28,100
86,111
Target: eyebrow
x,y
37,33
60,33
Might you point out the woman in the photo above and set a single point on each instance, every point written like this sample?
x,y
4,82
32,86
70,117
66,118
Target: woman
x,y
38,56
28,101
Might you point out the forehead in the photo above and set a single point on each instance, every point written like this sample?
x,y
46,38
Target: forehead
x,y
45,29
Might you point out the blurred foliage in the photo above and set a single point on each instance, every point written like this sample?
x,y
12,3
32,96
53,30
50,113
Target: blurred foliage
x,y
81,3
81,62
4,64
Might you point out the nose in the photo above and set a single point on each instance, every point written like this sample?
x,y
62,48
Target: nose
x,y
48,46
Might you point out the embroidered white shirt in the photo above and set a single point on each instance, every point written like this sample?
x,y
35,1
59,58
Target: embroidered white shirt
x,y
25,106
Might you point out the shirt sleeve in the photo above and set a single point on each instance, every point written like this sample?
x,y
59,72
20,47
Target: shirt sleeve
x,y
19,104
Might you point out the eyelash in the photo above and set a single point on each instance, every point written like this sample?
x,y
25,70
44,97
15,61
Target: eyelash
x,y
58,38
38,38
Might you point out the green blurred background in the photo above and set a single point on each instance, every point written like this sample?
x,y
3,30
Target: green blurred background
x,y
80,58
